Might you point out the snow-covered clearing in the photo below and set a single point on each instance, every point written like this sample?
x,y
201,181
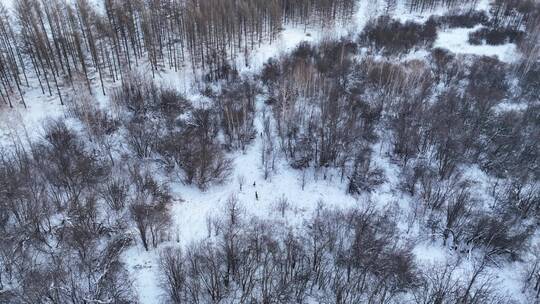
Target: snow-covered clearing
x,y
190,216
457,41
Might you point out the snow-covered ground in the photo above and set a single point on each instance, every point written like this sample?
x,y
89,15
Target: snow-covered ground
x,y
457,41
191,215
194,207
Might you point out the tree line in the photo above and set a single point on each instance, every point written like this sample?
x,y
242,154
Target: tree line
x,y
59,42
351,256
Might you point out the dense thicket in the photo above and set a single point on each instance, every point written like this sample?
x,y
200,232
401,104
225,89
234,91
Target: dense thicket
x,y
352,256
59,243
495,36
317,120
439,117
393,37
468,19
433,132
426,5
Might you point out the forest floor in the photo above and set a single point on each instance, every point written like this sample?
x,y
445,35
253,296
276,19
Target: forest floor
x,y
304,190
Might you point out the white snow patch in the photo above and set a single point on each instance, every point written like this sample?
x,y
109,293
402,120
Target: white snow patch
x,y
142,267
430,253
508,107
457,40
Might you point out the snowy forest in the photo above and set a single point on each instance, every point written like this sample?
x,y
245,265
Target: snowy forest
x,y
269,151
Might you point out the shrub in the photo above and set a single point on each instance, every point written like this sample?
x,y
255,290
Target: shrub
x,y
496,36
530,82
467,20
393,37
195,149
